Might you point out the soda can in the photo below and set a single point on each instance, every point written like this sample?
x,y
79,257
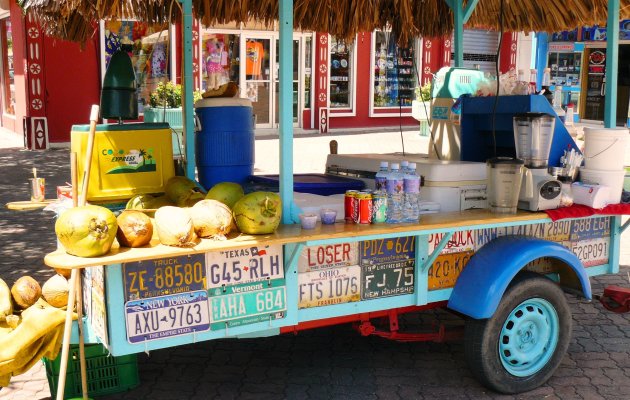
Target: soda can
x,y
365,208
379,207
351,206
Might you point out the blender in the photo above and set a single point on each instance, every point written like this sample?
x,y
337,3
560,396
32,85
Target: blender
x,y
533,134
505,175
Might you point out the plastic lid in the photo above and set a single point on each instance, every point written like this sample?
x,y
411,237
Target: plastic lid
x,y
412,165
505,161
532,115
404,163
395,166
384,164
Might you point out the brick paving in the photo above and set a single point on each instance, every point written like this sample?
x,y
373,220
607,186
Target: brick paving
x,y
328,363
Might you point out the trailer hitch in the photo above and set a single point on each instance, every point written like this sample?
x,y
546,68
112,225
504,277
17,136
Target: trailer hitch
x,y
615,299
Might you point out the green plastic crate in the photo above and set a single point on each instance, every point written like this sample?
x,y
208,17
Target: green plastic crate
x,y
105,374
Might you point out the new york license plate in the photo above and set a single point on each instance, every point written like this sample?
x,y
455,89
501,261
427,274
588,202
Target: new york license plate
x,y
330,286
164,276
240,266
167,316
590,228
387,279
446,269
592,251
244,303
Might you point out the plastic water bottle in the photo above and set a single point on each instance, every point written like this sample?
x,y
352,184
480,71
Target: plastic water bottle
x,y
404,165
411,211
395,194
380,180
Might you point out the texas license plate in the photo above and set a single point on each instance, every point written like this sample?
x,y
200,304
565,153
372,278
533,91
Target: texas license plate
x,y
167,316
590,228
446,269
592,251
381,251
387,279
164,276
245,301
330,286
240,266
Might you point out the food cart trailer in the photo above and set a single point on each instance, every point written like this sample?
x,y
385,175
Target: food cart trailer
x,y
518,323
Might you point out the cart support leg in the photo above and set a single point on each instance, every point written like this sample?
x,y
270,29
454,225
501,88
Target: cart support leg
x,y
65,346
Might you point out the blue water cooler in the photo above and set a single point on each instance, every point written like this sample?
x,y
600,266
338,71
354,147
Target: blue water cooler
x,y
224,141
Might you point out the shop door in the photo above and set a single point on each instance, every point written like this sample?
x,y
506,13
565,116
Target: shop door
x,y
258,77
296,83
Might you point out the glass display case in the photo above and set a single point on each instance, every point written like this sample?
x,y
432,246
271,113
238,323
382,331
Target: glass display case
x,y
565,62
394,72
341,75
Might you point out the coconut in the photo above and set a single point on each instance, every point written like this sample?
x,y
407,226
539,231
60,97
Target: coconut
x,y
134,229
174,227
140,202
26,291
55,291
212,219
258,213
227,193
179,189
87,231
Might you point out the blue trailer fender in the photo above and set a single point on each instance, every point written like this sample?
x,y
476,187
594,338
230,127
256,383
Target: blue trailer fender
x,y
487,275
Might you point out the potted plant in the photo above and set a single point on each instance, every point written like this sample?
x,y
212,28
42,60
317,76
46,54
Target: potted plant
x,y
421,106
165,105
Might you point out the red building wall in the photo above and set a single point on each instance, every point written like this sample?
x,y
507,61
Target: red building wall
x,y
19,69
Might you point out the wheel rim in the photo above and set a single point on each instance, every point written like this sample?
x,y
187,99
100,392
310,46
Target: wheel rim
x,y
529,337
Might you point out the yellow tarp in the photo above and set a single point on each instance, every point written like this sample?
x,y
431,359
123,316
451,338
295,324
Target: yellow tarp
x,y
38,335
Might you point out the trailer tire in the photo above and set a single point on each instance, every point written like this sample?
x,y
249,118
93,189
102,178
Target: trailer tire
x,y
522,344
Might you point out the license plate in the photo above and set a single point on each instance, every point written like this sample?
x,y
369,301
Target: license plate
x,y
164,276
240,266
387,279
387,250
330,286
446,269
246,301
592,251
315,258
460,242
558,231
531,230
485,236
590,228
167,316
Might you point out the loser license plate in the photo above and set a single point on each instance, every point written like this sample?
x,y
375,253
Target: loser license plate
x,y
388,279
167,316
592,252
590,228
247,301
446,269
316,258
164,276
246,265
381,251
330,286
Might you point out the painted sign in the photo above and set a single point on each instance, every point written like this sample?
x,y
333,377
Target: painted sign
x,y
329,286
387,279
382,251
446,269
164,276
460,242
245,265
315,258
592,252
590,228
167,316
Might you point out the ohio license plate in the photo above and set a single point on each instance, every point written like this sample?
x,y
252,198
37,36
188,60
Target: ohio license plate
x,y
315,258
164,276
167,316
387,279
461,241
590,228
387,250
245,304
592,251
558,231
240,266
446,269
330,286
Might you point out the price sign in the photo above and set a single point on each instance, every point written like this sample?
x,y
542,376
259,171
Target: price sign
x,y
315,258
459,242
590,228
592,251
382,251
167,316
240,266
163,276
558,231
387,279
446,269
246,304
330,286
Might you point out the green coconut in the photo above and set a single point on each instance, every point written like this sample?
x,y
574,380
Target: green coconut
x,y
227,193
258,213
140,202
179,189
87,231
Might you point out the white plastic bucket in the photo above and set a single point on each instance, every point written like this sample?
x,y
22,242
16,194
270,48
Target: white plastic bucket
x,y
612,179
605,149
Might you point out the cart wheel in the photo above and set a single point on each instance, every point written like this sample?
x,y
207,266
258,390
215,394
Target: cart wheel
x,y
522,344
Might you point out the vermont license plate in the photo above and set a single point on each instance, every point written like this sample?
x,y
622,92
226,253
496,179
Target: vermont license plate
x,y
243,302
387,279
164,276
167,316
330,286
592,251
381,251
446,269
240,266
590,228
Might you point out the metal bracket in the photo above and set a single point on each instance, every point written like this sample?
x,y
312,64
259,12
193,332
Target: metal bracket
x,y
436,252
624,227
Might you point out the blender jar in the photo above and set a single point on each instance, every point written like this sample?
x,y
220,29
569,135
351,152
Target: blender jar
x,y
504,183
533,133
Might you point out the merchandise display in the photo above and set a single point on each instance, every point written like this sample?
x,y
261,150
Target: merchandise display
x,y
394,72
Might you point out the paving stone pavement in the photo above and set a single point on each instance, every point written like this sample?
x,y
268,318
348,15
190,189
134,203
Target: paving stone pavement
x,y
328,363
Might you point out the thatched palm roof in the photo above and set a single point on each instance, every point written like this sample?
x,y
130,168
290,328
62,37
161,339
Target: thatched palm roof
x,y
74,19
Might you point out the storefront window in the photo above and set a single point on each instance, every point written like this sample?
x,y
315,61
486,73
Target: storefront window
x,y
394,72
565,68
148,48
341,73
8,87
220,59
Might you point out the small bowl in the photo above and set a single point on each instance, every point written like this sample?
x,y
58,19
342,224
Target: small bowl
x,y
328,216
308,221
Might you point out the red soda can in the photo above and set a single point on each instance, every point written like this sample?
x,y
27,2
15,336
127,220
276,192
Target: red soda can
x,y
351,206
365,207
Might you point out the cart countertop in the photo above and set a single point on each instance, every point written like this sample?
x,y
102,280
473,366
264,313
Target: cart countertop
x,y
295,234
